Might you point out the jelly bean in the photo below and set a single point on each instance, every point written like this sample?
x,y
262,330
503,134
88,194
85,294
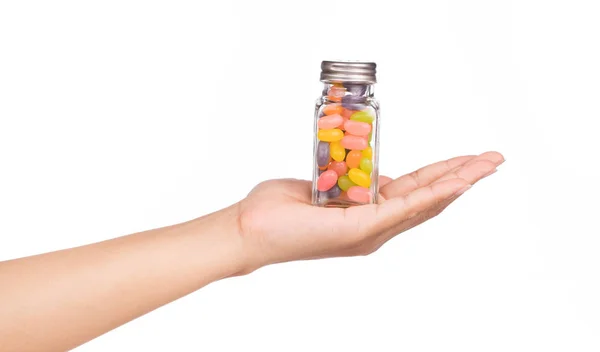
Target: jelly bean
x,y
333,135
339,167
326,180
370,136
322,154
359,194
331,109
356,89
347,113
337,152
366,165
331,121
323,168
353,159
353,142
353,102
362,116
345,183
334,192
356,128
343,123
338,84
359,177
368,153
336,93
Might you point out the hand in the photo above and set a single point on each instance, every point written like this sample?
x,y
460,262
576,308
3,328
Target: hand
x,y
278,223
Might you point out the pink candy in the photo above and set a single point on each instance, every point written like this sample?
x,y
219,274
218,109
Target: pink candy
x,y
354,142
330,121
339,167
357,128
327,180
359,194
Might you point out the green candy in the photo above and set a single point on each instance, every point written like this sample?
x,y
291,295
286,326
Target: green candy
x,y
366,165
362,116
345,183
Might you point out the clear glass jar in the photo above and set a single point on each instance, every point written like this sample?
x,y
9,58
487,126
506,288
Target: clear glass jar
x,y
346,141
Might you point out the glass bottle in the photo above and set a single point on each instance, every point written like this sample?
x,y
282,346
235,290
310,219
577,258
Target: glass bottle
x,y
346,141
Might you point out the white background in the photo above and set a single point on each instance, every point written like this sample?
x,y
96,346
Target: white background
x,y
120,116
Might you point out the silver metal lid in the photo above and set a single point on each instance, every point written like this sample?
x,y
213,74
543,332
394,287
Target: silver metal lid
x,y
348,71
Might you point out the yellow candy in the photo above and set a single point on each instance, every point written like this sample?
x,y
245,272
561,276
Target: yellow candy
x,y
360,177
368,153
338,153
333,135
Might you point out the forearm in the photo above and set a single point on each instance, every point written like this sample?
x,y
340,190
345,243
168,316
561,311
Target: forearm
x,y
58,300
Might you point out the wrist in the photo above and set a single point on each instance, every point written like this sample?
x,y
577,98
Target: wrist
x,y
221,235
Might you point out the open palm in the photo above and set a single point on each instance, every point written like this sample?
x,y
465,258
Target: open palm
x,y
278,222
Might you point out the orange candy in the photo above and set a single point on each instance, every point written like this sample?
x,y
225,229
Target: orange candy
x,y
353,159
332,109
336,93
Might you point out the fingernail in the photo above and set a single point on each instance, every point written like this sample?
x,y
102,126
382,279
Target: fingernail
x,y
462,190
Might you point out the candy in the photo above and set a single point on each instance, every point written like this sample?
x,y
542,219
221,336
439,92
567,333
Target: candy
x,y
345,183
331,109
326,180
332,121
356,89
322,154
359,177
368,153
333,135
359,194
366,165
356,128
337,152
353,142
336,93
353,102
334,192
362,116
347,113
353,159
339,167
370,136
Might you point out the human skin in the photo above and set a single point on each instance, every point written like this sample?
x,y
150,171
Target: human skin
x,y
59,300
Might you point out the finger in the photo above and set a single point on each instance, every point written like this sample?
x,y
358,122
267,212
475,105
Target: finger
x,y
471,173
384,180
397,210
433,172
494,157
421,177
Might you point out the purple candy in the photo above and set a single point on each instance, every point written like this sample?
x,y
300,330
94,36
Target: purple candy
x,y
356,89
353,102
322,154
334,192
